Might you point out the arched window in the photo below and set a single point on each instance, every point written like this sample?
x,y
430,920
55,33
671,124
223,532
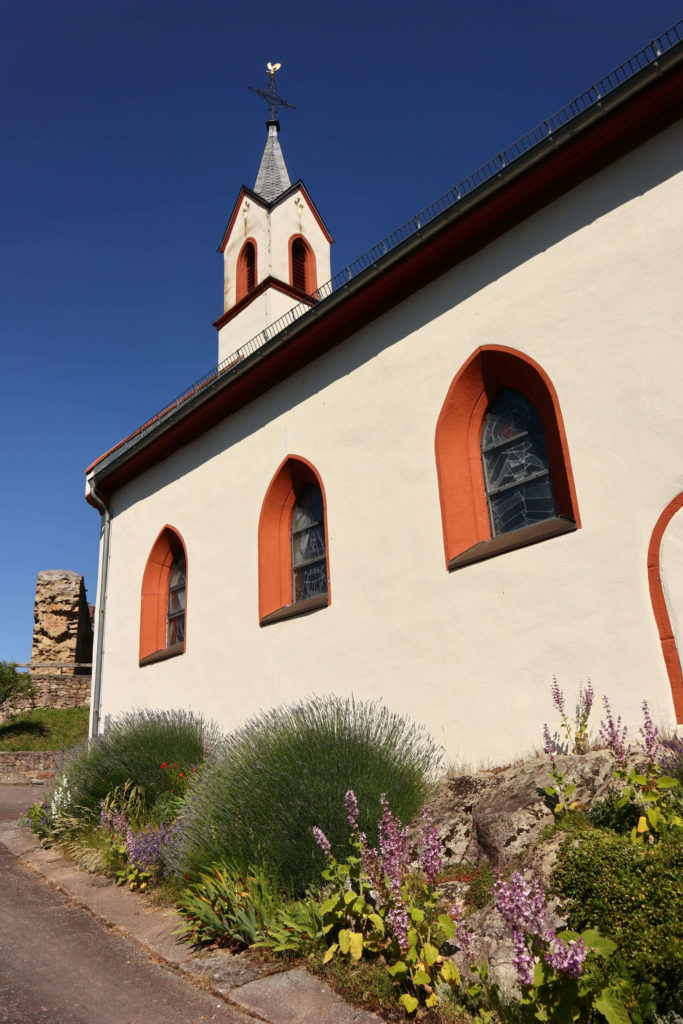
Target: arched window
x,y
309,561
519,488
502,459
293,546
163,604
302,272
246,270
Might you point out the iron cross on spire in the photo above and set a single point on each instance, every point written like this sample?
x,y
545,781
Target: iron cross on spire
x,y
271,95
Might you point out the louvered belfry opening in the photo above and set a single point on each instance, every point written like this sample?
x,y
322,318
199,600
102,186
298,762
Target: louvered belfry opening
x,y
250,266
299,258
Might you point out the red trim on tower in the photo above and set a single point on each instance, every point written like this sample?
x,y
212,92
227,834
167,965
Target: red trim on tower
x,y
589,151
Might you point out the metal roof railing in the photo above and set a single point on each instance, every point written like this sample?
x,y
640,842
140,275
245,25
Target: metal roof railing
x,y
590,98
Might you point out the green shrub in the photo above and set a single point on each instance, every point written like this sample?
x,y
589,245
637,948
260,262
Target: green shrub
x,y
14,684
287,770
155,750
633,893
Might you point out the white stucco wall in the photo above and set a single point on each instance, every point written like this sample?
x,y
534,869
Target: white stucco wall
x,y
590,289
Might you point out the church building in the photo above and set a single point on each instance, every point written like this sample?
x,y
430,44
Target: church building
x,y
440,477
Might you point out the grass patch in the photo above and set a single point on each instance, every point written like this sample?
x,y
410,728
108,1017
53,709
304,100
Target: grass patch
x,y
45,729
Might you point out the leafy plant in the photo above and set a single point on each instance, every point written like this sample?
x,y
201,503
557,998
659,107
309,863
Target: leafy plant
x,y
287,770
575,741
633,893
14,684
376,904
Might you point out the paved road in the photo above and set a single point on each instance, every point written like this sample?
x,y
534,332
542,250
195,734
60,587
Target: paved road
x,y
59,965
15,800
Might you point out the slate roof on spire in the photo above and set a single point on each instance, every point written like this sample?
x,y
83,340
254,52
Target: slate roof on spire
x,y
272,178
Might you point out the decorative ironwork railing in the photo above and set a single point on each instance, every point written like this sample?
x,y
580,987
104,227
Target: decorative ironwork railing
x,y
588,99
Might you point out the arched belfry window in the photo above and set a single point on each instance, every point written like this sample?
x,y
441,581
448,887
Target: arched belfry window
x,y
302,265
502,458
309,564
519,488
164,599
246,270
293,549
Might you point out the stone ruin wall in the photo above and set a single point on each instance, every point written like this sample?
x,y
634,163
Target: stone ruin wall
x,y
62,635
62,623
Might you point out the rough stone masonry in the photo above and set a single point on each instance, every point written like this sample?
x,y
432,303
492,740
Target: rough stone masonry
x,y
62,630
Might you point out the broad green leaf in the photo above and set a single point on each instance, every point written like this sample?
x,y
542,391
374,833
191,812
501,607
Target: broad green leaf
x,y
640,780
449,972
330,953
378,922
667,782
571,788
611,1007
408,1002
432,1000
350,896
539,975
447,925
344,940
359,906
397,969
642,824
356,945
550,791
484,970
421,977
654,816
430,954
600,943
328,905
416,915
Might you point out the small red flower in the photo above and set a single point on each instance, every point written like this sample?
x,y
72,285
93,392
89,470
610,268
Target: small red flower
x,y
163,765
171,790
182,775
187,876
175,764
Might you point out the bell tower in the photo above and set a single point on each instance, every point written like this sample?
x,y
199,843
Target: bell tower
x,y
276,247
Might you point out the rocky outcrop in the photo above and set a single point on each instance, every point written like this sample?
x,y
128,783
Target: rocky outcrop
x,y
62,630
498,815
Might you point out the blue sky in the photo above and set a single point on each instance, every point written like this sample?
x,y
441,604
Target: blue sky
x,y
128,129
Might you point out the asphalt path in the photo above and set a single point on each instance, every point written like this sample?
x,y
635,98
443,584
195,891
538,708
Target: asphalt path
x,y
60,965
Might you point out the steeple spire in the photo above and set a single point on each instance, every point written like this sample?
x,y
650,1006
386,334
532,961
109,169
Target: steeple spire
x,y
272,178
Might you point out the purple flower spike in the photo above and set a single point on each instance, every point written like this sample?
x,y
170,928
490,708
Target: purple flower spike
x,y
567,957
613,735
322,840
558,696
351,805
649,733
549,745
431,860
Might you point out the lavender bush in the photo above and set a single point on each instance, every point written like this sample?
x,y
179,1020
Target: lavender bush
x,y
288,770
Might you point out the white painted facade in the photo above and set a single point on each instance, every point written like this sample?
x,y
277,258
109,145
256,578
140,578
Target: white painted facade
x,y
589,288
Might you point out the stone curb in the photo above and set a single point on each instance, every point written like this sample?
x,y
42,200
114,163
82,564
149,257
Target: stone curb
x,y
264,992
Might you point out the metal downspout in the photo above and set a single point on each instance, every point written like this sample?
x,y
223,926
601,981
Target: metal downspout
x,y
101,608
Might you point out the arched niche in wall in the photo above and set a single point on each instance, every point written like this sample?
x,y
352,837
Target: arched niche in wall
x,y
665,577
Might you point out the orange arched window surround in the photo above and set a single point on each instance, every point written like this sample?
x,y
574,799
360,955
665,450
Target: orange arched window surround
x,y
247,270
462,494
154,605
662,618
302,268
275,542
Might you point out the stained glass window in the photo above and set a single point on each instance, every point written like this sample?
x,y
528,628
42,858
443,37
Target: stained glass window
x,y
519,488
309,564
175,622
